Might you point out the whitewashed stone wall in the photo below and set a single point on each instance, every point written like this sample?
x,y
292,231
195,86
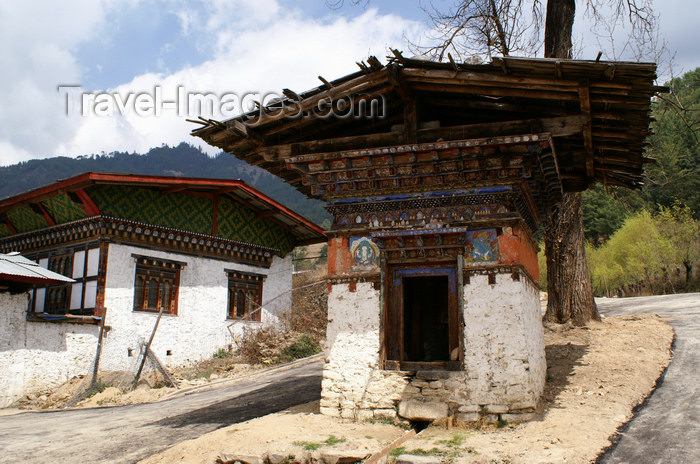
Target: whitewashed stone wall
x,y
200,327
37,356
503,356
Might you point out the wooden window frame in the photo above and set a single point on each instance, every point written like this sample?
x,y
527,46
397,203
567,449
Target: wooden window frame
x,y
393,328
160,272
244,282
67,255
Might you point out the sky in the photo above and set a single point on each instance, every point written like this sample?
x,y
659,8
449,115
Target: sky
x,y
82,77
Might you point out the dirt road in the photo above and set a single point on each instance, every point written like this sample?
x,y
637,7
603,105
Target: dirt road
x,y
667,428
127,434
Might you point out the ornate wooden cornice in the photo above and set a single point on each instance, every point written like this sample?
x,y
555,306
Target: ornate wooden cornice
x,y
137,233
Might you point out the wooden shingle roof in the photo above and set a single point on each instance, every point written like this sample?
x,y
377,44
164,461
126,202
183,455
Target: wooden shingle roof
x,y
597,114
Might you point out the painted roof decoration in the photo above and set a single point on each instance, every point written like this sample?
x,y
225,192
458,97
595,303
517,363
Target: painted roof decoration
x,y
228,209
16,268
595,113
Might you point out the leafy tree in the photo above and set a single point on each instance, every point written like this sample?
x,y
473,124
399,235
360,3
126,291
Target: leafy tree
x,y
675,177
683,233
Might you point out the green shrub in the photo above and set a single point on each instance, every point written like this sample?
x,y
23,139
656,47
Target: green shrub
x,y
303,347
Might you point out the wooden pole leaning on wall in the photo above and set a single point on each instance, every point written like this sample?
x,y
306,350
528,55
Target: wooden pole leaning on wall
x,y
98,352
148,347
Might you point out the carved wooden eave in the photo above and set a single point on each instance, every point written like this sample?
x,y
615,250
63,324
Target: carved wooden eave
x,y
119,230
596,113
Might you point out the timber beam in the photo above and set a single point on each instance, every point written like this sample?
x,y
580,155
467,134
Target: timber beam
x,y
556,126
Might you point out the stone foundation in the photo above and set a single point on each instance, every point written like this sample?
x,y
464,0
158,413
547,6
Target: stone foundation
x,y
504,360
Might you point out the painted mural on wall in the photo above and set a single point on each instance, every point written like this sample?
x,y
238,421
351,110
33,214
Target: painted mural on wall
x,y
364,252
481,246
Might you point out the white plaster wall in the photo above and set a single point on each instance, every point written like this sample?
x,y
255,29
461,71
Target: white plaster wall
x,y
351,378
504,362
201,326
503,342
35,356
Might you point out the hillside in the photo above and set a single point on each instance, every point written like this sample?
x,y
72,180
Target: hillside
x,y
182,160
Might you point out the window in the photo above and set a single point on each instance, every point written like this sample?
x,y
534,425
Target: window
x,y
80,263
421,326
244,295
156,285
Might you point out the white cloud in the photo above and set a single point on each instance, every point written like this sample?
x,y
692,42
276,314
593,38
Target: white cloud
x,y
284,50
37,40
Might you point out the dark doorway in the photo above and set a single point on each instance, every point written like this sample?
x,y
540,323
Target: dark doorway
x,y
426,319
421,330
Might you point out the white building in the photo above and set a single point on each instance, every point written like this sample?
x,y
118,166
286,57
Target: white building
x,y
212,255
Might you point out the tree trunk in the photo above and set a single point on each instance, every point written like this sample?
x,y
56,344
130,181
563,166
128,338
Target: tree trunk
x,y
557,28
568,281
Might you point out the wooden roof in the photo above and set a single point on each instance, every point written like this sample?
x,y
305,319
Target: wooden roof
x,y
597,114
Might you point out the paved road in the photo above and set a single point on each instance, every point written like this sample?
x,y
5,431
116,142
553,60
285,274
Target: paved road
x,y
667,428
127,434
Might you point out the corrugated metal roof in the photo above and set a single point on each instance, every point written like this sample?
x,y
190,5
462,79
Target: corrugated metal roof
x,y
17,268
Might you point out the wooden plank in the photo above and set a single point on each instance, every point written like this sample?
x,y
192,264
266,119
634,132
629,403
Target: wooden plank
x,y
495,91
88,205
557,126
45,214
378,457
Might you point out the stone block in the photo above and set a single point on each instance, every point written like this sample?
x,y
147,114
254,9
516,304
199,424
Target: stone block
x,y
515,418
497,408
331,395
437,384
274,458
411,390
411,459
468,416
385,413
333,412
433,375
420,384
469,408
332,403
234,458
365,414
423,410
347,413
342,458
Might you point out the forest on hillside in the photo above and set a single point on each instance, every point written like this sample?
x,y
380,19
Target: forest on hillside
x,y
639,242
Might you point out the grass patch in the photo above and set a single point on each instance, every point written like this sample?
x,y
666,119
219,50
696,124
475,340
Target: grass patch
x,y
430,452
397,451
456,440
307,445
500,423
99,387
333,440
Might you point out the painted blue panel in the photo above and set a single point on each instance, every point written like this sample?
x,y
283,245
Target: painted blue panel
x,y
481,246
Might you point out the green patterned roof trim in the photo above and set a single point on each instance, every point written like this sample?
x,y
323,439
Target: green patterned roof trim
x,y
63,209
25,219
4,230
236,222
176,210
190,213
